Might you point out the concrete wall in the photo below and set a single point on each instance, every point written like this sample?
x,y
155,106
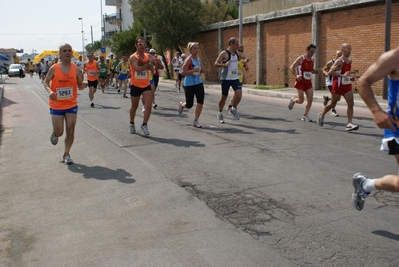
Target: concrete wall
x,y
267,6
273,41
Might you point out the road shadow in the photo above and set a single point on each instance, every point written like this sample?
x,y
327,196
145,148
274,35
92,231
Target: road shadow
x,y
386,234
7,102
226,130
177,142
102,173
252,117
105,107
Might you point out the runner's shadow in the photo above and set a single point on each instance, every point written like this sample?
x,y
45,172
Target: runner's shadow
x,y
102,173
178,142
386,234
105,107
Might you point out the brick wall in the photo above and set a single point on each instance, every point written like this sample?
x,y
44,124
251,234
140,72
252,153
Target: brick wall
x,y
285,39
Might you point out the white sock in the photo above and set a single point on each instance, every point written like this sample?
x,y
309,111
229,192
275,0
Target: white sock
x,y
368,185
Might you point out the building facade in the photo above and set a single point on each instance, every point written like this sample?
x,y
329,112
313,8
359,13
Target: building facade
x,y
119,21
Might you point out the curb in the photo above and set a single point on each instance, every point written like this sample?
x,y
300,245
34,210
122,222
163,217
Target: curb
x,y
290,92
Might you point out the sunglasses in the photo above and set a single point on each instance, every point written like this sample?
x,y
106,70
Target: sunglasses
x,y
240,50
141,44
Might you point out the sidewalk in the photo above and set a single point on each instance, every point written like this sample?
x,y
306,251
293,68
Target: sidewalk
x,y
287,93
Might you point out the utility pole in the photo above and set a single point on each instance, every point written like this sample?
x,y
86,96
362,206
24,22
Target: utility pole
x,y
240,19
388,5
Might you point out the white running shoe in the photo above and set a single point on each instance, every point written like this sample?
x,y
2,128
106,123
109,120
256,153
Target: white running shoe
x,y
320,120
220,117
196,124
144,128
306,118
180,108
53,139
233,111
351,127
67,159
359,195
291,104
132,129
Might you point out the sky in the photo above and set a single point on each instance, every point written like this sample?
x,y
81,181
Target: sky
x,y
37,25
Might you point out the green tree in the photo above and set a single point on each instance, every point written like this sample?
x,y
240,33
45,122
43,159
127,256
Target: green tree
x,y
173,22
218,10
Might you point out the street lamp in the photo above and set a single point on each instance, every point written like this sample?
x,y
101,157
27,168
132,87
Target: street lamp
x,y
83,40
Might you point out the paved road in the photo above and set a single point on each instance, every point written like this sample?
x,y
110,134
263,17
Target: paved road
x,y
273,190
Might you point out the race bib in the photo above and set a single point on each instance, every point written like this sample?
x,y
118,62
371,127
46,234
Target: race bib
x,y
239,74
307,75
103,70
64,93
123,71
232,74
140,75
346,80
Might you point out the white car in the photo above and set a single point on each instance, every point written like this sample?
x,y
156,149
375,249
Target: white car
x,y
14,70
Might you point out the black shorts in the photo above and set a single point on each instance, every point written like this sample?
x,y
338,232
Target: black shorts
x,y
92,83
393,147
137,91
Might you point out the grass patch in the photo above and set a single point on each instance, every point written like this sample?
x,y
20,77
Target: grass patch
x,y
269,87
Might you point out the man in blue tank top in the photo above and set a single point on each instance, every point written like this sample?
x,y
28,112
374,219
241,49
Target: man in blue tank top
x,y
386,65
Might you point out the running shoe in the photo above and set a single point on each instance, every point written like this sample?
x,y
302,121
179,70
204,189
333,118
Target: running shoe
x,y
351,127
320,120
53,139
291,104
143,110
154,105
125,96
180,108
233,111
92,104
334,113
103,91
144,128
326,99
67,159
306,118
220,117
119,90
359,195
196,124
132,129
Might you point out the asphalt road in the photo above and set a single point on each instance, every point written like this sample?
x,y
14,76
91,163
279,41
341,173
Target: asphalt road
x,y
284,182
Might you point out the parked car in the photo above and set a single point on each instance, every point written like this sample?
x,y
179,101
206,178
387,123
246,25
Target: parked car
x,y
3,70
14,70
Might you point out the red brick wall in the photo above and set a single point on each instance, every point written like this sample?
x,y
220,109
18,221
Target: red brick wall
x,y
285,39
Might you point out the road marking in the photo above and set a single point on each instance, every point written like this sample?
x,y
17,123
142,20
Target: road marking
x,y
45,104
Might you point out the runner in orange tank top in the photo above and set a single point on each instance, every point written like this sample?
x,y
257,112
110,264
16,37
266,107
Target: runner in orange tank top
x,y
62,81
140,65
91,68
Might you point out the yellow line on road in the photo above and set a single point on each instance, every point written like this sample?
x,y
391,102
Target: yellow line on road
x,y
44,103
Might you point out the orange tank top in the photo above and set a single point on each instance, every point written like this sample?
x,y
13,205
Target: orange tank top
x,y
140,78
92,71
65,86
